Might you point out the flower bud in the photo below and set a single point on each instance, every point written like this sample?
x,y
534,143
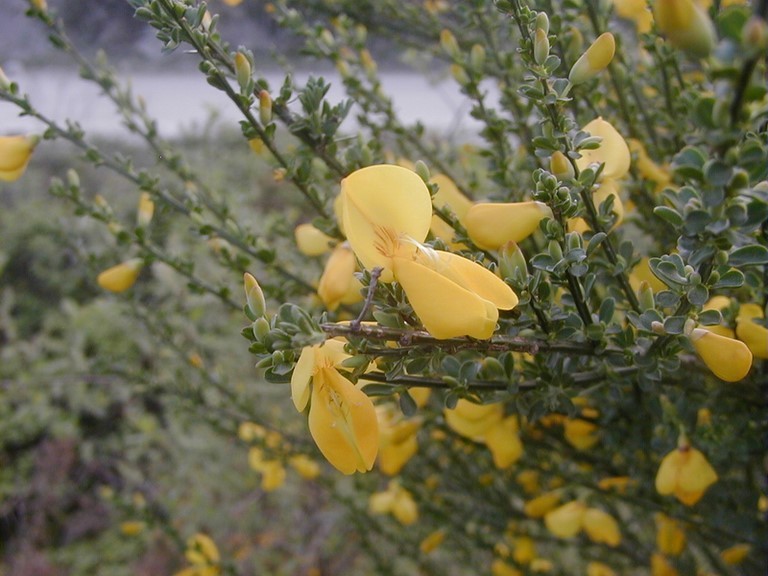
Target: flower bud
x,y
728,359
512,263
254,296
311,241
145,210
449,44
460,75
265,107
686,25
260,328
491,225
540,47
477,57
596,59
121,277
4,82
41,5
560,166
242,71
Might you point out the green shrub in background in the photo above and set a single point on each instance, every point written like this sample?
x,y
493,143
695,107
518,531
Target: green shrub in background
x,y
546,346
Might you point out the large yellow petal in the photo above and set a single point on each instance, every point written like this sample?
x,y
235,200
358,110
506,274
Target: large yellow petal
x,y
566,521
666,477
338,277
476,278
473,421
381,204
728,359
754,335
446,309
504,443
613,150
342,421
448,194
601,527
696,474
121,277
491,225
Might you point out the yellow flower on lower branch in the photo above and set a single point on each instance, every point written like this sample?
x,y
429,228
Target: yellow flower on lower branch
x,y
342,419
685,473
15,152
727,358
121,277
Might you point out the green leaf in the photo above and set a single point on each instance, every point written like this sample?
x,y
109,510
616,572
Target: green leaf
x,y
749,256
669,215
731,279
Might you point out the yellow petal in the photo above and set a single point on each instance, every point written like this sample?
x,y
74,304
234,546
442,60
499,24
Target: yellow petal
x,y
342,421
448,194
642,273
121,277
491,225
696,473
338,277
446,309
541,505
581,434
15,152
754,335
637,11
382,202
735,554
273,476
432,541
728,359
686,25
670,537
660,566
504,443
305,466
395,455
566,521
404,508
599,569
524,550
596,58
302,374
471,420
613,150
311,241
666,477
601,527
477,279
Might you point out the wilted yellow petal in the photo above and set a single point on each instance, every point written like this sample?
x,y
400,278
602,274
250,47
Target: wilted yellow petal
x,y
491,225
566,521
381,205
342,421
728,359
601,527
121,277
446,309
613,150
311,241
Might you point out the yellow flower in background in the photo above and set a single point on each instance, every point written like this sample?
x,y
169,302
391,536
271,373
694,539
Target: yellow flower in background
x,y
660,566
642,273
736,554
670,537
471,420
311,241
685,473
272,471
523,550
580,433
15,152
232,2
448,196
432,541
594,60
501,568
646,167
637,11
612,151
306,467
121,277
686,25
503,440
387,213
397,501
491,225
754,335
599,569
203,554
541,505
601,527
607,188
338,284
397,439
567,520
342,419
727,358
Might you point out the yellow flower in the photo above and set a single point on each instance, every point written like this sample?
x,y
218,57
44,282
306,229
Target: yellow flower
x,y
599,569
447,196
432,541
305,466
637,11
501,568
311,241
397,501
397,439
685,473
387,211
612,151
524,550
541,505
232,2
132,527
670,537
618,483
581,434
735,554
491,225
754,335
567,520
601,527
660,566
596,59
338,284
342,419
686,25
15,152
145,210
728,359
473,421
647,168
121,277
503,440
201,550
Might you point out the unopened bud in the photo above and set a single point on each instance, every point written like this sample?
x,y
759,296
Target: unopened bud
x,y
658,328
512,263
4,82
560,166
145,210
645,296
422,170
477,57
254,296
242,71
459,74
542,22
368,63
449,44
596,59
540,47
73,178
265,107
41,5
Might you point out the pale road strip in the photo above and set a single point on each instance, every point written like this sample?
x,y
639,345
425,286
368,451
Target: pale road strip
x,y
182,102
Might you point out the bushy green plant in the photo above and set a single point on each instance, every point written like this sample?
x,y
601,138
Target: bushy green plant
x,y
551,337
